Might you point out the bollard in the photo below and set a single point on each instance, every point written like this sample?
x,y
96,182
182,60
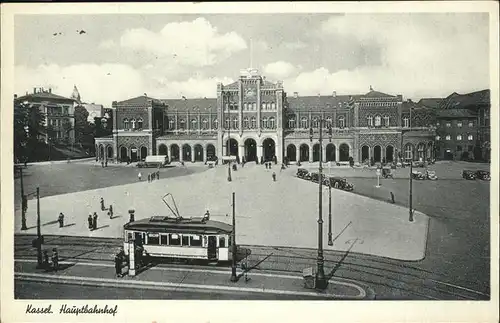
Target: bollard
x,y
132,215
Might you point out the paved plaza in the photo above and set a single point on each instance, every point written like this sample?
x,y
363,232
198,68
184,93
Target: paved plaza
x,y
281,213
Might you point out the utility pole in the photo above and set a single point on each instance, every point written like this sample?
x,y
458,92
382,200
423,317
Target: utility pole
x,y
23,203
411,180
330,241
228,145
234,278
38,233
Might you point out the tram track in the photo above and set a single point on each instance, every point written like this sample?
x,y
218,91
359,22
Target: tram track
x,y
390,279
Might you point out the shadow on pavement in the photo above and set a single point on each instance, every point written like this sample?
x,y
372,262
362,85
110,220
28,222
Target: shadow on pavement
x,y
69,225
50,222
337,266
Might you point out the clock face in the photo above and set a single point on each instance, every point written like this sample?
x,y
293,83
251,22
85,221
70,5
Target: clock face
x,y
249,93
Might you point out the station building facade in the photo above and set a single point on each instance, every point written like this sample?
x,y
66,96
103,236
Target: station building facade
x,y
255,119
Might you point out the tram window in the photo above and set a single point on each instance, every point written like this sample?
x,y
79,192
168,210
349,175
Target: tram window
x,y
229,242
195,241
129,236
163,239
222,242
174,240
153,239
185,240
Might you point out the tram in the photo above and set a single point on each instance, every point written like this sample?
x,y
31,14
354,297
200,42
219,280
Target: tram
x,y
178,237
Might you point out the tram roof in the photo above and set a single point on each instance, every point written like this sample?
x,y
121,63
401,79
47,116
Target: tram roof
x,y
167,224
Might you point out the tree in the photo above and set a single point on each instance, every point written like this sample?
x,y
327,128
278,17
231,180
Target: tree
x,y
29,129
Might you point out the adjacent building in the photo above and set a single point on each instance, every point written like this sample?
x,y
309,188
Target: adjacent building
x,y
58,112
256,119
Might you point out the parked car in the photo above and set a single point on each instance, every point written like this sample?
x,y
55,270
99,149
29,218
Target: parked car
x,y
418,164
315,177
430,174
469,174
417,175
301,172
339,182
483,175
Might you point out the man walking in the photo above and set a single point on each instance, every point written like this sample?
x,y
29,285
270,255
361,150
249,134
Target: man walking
x,y
55,259
90,222
110,212
149,178
94,221
61,220
102,205
274,177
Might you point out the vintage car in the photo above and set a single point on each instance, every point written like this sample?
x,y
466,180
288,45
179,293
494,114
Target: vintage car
x,y
469,174
340,183
483,175
417,175
315,177
301,172
430,174
387,173
418,164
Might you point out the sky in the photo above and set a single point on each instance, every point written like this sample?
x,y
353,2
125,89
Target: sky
x,y
173,55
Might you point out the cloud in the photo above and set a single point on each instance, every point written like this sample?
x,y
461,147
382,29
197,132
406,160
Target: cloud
x,y
194,87
420,53
279,70
196,43
107,44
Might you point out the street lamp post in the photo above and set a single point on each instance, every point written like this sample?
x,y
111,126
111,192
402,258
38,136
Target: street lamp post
x,y
228,145
38,231
234,278
330,241
411,180
23,203
321,281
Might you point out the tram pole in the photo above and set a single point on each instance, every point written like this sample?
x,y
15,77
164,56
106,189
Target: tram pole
x,y
234,278
411,179
24,202
330,241
321,281
38,231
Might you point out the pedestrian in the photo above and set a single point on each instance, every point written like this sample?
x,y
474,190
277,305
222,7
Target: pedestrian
x,y
110,212
118,265
149,178
102,163
270,165
206,216
139,176
157,174
61,220
266,165
90,222
392,198
55,259
46,264
94,221
102,205
106,163
274,177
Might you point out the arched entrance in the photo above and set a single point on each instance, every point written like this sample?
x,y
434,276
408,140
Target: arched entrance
x,y
344,152
186,152
304,152
316,152
101,152
144,152
421,151
109,152
233,147
365,153
269,148
210,152
133,154
377,154
162,150
389,154
198,153
291,152
174,150
330,152
123,153
250,150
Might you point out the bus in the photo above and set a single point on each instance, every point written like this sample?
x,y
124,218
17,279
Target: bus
x,y
181,238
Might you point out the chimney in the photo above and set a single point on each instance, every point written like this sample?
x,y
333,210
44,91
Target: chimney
x,y
15,96
34,90
295,94
50,90
334,94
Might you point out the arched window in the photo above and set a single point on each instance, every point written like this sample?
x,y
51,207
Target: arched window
x,y
448,137
378,121
215,124
182,124
386,121
245,106
291,122
341,122
253,123
470,137
171,124
205,123
235,123
263,105
227,123
273,106
227,107
408,152
264,123
303,123
369,120
329,121
139,123
459,137
194,124
271,123
254,106
406,122
459,124
246,123
132,122
315,122
125,123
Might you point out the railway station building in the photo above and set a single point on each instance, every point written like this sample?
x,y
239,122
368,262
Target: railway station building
x,y
256,119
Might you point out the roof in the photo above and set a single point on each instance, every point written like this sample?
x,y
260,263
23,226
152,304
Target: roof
x,y
320,103
43,96
377,94
165,224
183,105
431,102
142,101
470,100
455,113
